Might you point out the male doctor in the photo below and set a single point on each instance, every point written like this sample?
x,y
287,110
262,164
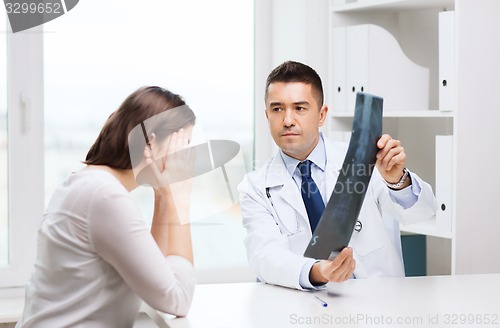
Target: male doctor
x,y
278,218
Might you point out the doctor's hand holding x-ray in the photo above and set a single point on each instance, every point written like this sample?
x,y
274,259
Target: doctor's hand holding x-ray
x,y
390,163
274,211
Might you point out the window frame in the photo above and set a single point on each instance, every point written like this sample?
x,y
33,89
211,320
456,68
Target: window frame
x,y
25,152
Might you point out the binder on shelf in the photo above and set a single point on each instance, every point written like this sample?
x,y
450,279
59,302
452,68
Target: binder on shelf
x,y
376,64
357,53
447,78
444,182
339,70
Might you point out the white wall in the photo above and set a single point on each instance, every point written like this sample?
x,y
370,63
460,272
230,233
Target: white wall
x,y
478,181
286,30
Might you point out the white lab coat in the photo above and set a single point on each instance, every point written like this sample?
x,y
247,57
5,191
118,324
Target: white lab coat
x,y
278,230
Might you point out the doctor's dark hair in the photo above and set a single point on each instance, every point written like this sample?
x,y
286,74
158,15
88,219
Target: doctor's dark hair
x,y
291,71
111,146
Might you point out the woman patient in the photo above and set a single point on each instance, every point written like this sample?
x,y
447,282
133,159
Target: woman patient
x,y
96,258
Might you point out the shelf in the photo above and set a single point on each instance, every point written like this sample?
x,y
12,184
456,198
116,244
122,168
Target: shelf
x,y
403,114
427,227
373,5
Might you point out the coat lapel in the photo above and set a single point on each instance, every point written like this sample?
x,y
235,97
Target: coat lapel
x,y
277,176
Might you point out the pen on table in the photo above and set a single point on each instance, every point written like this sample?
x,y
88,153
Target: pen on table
x,y
323,303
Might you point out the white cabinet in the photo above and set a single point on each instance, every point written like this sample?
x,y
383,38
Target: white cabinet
x,y
468,55
367,58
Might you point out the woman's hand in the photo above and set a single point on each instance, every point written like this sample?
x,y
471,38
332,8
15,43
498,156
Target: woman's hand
x,y
178,164
173,180
176,167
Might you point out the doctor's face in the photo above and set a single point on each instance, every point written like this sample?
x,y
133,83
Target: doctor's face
x,y
294,117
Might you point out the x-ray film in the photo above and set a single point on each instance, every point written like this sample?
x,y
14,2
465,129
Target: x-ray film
x,y
336,225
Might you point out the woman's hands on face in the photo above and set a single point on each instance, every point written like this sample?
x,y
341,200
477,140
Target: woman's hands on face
x,y
171,216
176,166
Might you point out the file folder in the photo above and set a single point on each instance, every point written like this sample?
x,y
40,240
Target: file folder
x,y
339,69
444,182
357,63
336,225
368,59
447,78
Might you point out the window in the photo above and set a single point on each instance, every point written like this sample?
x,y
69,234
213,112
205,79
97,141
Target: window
x,y
101,51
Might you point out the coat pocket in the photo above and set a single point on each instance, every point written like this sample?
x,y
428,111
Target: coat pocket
x,y
368,235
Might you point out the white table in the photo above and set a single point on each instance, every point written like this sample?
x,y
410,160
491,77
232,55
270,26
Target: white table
x,y
436,301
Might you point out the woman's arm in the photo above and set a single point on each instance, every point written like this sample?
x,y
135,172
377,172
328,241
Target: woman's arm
x,y
170,227
171,234
120,236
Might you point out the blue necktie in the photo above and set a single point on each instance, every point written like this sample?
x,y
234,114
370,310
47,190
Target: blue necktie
x,y
310,194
